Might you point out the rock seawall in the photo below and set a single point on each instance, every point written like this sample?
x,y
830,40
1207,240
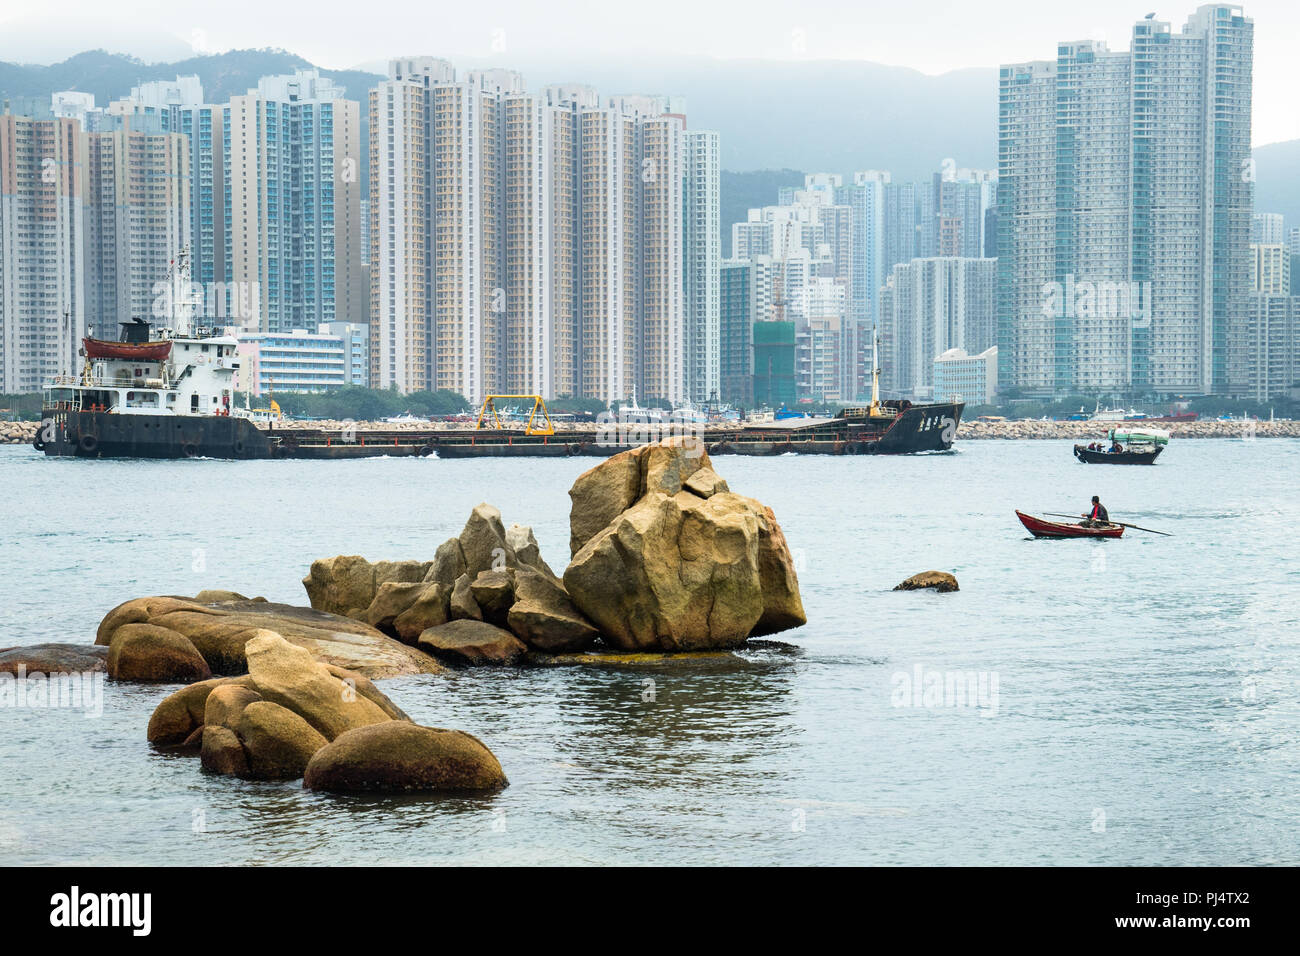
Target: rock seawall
x,y
1096,431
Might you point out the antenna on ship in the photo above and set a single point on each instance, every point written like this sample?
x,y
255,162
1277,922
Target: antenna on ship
x,y
182,295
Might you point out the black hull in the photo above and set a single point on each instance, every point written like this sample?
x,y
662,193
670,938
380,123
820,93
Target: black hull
x,y
83,434
1090,457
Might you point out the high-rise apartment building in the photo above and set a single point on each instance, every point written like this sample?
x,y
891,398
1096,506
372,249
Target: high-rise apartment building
x,y
137,224
703,260
928,307
42,250
1124,210
275,191
738,304
538,242
1270,269
1266,228
295,190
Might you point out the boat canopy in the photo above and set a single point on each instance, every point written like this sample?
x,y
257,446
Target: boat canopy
x,y
1139,436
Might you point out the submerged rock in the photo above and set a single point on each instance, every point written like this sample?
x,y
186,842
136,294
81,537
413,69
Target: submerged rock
x,y
404,757
53,659
941,581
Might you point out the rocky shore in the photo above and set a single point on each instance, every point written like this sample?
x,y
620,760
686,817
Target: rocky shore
x,y
18,433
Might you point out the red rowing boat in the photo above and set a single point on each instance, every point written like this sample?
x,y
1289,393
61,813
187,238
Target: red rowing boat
x,y
137,351
1055,529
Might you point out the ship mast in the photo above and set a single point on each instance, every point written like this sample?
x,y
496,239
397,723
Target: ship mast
x,y
875,373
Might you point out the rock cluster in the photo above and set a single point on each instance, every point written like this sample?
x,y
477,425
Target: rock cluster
x,y
486,597
292,716
665,557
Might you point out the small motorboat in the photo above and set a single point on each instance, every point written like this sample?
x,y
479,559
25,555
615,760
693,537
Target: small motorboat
x,y
1131,455
1056,529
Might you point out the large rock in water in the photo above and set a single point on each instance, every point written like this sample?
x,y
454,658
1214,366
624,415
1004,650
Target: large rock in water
x,y
683,564
401,756
220,631
347,584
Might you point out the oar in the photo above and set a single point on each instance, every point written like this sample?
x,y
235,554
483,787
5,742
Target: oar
x,y
1052,514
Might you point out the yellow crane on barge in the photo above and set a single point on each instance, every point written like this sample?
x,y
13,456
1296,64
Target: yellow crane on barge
x,y
533,426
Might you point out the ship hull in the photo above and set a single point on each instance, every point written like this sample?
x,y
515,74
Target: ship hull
x,y
94,434
83,434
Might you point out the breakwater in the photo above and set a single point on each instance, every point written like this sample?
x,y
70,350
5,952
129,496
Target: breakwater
x,y
1094,431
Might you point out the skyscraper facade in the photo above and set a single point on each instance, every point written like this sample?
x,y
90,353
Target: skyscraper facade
x,y
928,307
137,224
703,253
42,249
539,242
1127,175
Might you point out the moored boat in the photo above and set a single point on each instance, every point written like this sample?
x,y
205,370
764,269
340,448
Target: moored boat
x,y
1128,446
1041,528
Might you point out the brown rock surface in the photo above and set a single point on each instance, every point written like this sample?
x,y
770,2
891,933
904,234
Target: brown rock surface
x,y
472,642
220,632
941,581
54,659
149,653
544,617
404,757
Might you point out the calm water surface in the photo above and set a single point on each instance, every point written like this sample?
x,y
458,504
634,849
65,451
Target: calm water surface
x,y
1147,702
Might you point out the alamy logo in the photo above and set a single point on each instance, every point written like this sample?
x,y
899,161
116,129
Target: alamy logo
x,y
1086,299
75,909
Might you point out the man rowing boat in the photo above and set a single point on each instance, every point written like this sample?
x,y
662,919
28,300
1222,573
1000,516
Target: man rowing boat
x,y
1098,517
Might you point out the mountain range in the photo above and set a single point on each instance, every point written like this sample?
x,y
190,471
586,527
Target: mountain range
x,y
775,117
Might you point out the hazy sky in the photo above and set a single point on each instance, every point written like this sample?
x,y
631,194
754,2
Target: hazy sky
x,y
932,36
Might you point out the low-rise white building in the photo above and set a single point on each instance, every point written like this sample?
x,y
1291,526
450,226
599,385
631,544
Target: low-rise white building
x,y
972,379
297,361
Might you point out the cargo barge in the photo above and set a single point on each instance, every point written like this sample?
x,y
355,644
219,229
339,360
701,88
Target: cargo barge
x,y
171,396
